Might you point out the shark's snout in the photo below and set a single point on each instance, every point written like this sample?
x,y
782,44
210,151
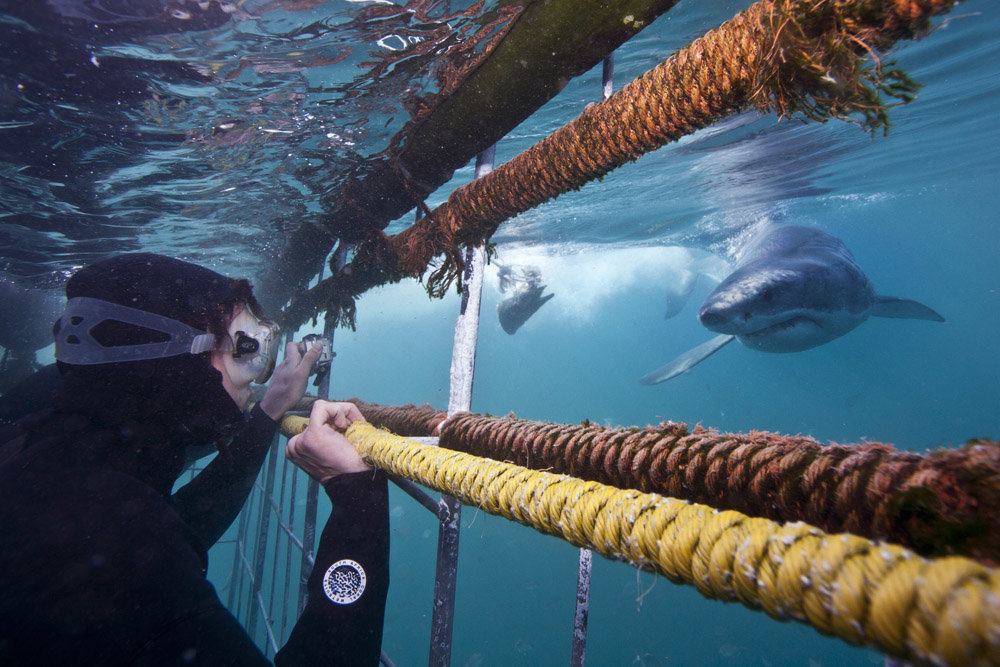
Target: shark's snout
x,y
712,318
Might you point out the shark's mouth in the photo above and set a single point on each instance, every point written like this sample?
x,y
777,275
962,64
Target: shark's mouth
x,y
782,327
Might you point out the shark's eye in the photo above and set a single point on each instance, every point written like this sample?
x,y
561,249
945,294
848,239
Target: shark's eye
x,y
768,293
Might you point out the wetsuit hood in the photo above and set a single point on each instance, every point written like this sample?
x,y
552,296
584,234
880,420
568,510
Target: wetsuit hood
x,y
141,415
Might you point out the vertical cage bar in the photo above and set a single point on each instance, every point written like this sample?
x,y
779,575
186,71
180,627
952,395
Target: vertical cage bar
x,y
235,579
288,553
272,594
584,569
582,609
463,362
263,532
308,540
312,487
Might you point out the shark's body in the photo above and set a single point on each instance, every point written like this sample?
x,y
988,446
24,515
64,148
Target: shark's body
x,y
793,288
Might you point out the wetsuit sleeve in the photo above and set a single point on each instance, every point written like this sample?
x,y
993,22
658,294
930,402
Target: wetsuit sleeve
x,y
342,621
210,502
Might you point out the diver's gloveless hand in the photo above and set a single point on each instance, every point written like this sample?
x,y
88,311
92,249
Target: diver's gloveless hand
x,y
288,384
322,450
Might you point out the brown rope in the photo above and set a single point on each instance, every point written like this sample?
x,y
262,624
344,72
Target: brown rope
x,y
789,56
406,420
943,502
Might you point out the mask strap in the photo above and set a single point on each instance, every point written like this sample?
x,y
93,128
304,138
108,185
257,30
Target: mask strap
x,y
75,345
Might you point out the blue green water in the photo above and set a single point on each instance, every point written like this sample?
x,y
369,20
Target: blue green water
x,y
917,208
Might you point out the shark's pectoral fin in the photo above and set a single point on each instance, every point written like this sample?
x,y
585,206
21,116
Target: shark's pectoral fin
x,y
686,361
679,293
890,306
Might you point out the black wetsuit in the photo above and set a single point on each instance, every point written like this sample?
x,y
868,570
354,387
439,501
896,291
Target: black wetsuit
x,y
99,564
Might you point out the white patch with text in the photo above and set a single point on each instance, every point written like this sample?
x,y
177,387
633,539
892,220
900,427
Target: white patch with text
x,y
344,582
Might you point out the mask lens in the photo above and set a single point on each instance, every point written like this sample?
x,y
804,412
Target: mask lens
x,y
245,345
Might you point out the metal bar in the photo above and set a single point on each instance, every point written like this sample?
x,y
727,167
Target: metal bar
x,y
312,487
264,526
415,492
463,358
245,574
260,551
582,609
463,362
285,528
288,553
308,540
274,563
235,586
260,603
445,579
267,623
608,77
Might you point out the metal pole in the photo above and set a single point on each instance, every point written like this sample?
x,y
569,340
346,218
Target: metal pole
x,y
288,553
272,595
338,261
463,363
608,78
582,609
235,577
260,551
586,557
308,540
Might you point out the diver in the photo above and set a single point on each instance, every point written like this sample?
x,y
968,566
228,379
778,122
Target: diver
x,y
101,561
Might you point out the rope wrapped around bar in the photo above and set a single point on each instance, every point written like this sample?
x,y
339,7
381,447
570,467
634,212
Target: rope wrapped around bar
x,y
814,57
933,612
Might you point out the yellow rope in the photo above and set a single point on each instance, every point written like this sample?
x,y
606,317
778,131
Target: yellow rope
x,y
941,611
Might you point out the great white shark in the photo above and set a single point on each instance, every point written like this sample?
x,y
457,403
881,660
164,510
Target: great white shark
x,y
793,288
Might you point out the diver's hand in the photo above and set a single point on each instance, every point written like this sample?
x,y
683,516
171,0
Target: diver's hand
x,y
321,450
288,384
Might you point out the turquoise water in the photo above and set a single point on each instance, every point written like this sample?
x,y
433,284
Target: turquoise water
x,y
918,209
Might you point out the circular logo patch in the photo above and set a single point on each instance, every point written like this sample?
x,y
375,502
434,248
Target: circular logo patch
x,y
344,582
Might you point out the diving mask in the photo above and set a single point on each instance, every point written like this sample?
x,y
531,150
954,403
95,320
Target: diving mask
x,y
254,341
254,348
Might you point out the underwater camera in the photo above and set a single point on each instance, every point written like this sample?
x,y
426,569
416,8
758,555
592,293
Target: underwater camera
x,y
322,364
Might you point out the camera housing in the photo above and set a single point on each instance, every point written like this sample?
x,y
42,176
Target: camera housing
x,y
325,356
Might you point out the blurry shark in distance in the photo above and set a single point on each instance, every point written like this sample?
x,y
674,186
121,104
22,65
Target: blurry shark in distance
x,y
26,326
28,316
794,288
524,296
